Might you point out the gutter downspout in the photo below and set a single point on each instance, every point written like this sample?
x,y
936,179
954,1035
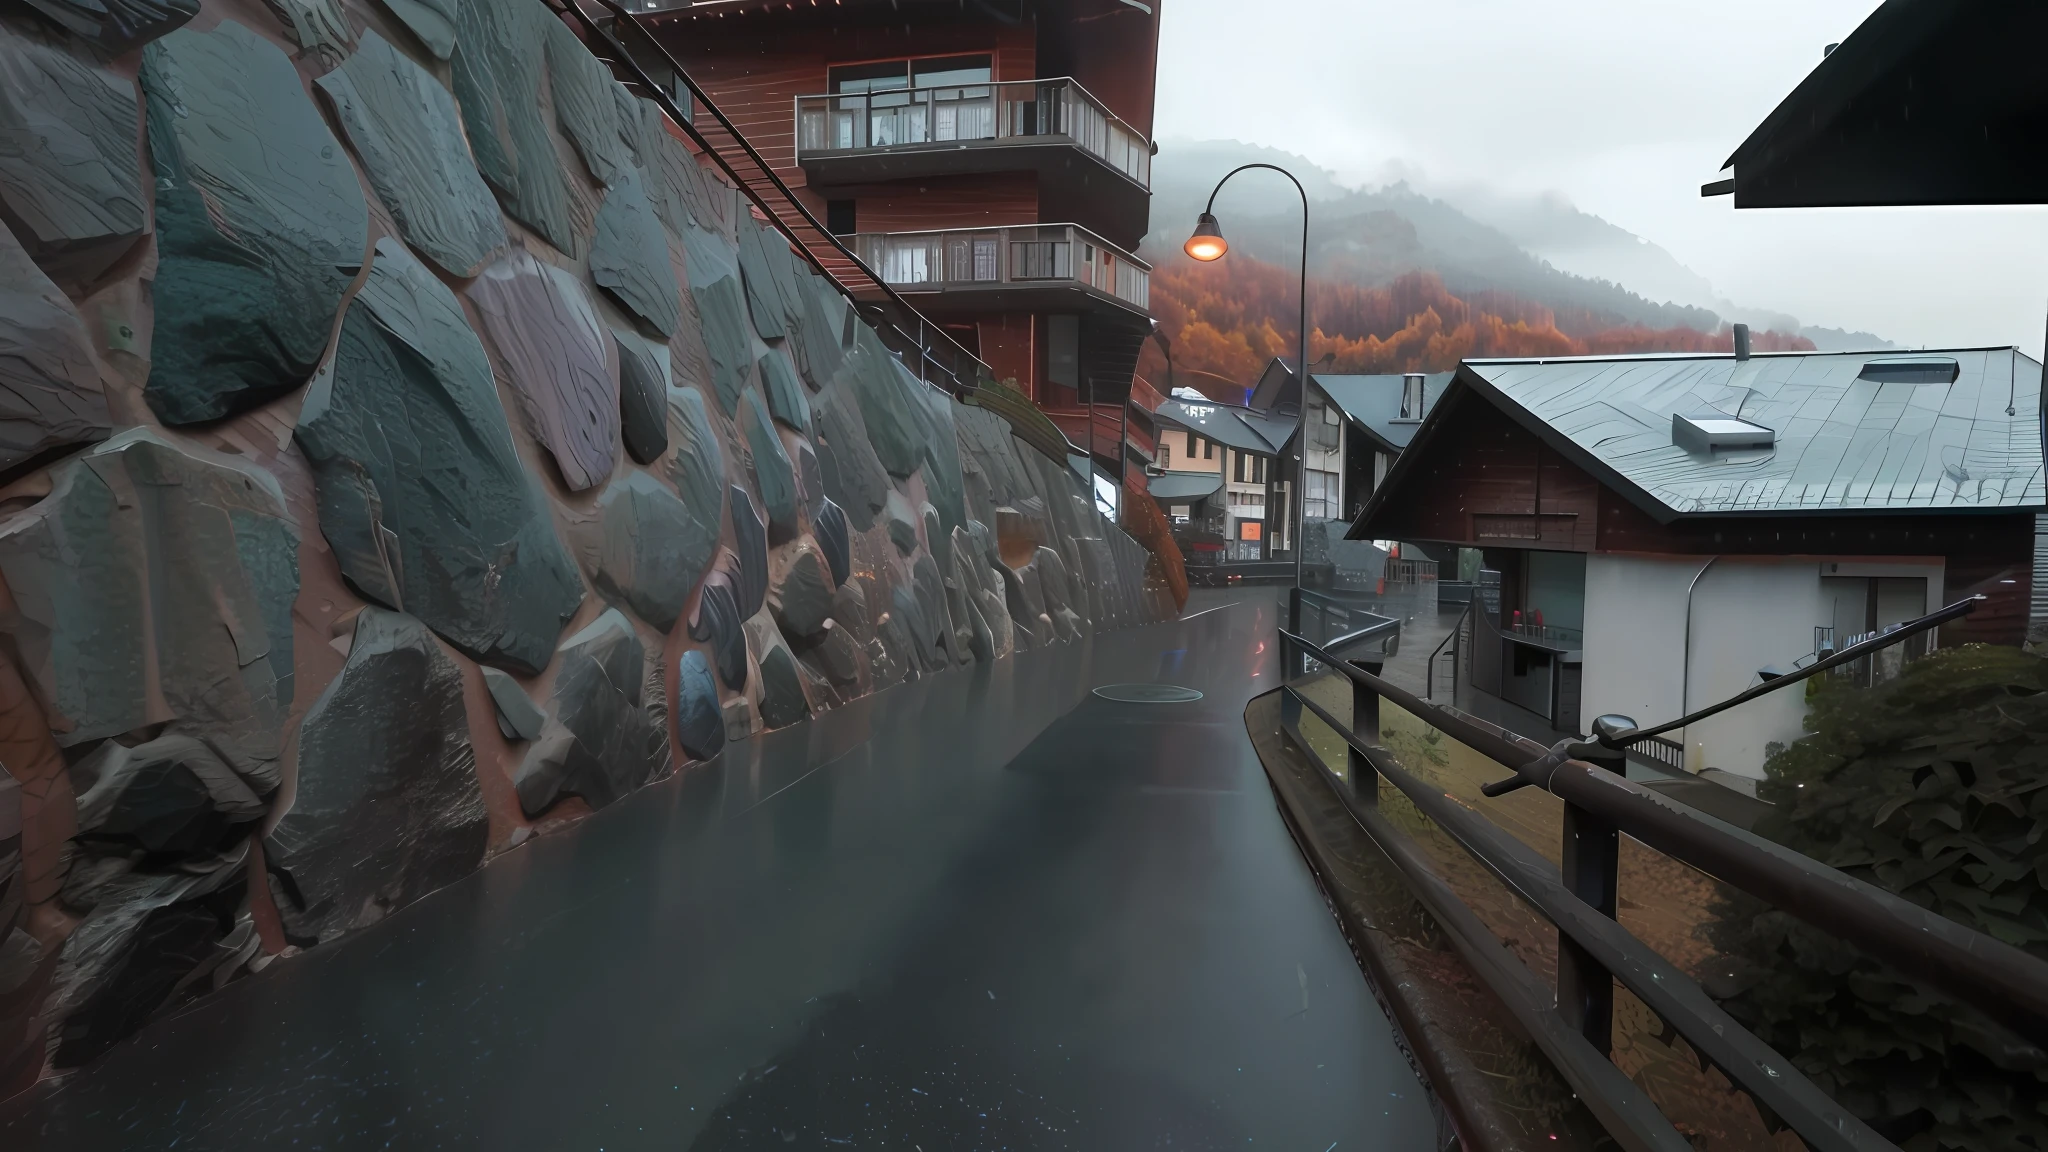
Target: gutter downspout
x,y
1685,671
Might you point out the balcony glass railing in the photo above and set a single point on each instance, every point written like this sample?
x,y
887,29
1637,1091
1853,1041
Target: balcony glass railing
x,y
1025,110
1025,255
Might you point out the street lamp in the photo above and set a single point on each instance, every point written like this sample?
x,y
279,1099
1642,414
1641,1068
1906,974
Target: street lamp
x,y
1208,245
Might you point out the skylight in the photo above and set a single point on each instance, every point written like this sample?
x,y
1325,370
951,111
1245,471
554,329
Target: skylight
x,y
1718,432
1911,370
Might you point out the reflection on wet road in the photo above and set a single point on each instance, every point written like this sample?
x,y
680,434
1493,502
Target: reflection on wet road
x,y
987,910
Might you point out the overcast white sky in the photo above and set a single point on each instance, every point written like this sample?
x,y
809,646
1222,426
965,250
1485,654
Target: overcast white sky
x,y
1624,106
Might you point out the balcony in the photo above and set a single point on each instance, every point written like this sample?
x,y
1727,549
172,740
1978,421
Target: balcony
x,y
1090,164
1028,268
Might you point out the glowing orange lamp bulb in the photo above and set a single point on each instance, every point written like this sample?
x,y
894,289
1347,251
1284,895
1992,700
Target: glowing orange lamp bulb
x,y
1207,243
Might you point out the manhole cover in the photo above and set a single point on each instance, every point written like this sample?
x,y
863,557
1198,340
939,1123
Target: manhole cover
x,y
1148,693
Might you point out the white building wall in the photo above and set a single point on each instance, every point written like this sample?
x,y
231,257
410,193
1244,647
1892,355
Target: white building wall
x,y
1747,612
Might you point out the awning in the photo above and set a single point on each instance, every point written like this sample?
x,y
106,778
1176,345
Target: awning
x,y
1183,486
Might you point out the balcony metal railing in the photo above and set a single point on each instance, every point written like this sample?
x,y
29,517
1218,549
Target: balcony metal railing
x,y
1022,110
1025,255
1574,1022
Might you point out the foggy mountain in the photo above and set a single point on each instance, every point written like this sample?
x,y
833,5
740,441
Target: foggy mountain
x,y
1592,273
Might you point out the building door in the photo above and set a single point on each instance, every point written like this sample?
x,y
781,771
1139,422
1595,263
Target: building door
x,y
1860,605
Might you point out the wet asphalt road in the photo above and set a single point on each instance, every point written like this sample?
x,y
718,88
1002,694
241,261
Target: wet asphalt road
x,y
987,910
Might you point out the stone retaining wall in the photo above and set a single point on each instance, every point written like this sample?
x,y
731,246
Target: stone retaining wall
x,y
409,446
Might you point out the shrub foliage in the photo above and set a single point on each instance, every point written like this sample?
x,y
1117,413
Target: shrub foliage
x,y
1933,786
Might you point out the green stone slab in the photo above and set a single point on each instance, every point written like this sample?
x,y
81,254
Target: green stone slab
x,y
772,475
700,722
595,111
802,599
764,293
498,73
431,21
650,548
260,221
629,256
155,585
696,467
600,742
117,25
421,492
852,474
786,398
715,287
52,389
643,396
406,128
782,690
387,807
68,174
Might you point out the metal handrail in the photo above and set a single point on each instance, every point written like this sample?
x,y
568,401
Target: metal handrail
x,y
922,343
2006,983
1676,999
1429,669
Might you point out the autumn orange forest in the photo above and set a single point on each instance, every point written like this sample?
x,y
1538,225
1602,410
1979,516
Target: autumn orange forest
x,y
1227,320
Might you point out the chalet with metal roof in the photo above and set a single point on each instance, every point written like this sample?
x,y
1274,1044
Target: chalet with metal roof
x,y
1668,528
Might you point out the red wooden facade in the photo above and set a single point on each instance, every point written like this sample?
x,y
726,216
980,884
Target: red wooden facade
x,y
1069,343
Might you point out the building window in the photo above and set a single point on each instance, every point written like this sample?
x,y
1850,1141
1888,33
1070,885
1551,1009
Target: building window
x,y
1208,449
1258,469
961,105
839,219
1411,396
1165,453
1237,467
1321,495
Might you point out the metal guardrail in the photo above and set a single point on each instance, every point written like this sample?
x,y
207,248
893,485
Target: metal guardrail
x,y
1027,255
1580,899
1330,616
1027,111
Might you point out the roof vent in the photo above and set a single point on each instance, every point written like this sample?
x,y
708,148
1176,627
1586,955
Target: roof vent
x,y
1706,434
1911,370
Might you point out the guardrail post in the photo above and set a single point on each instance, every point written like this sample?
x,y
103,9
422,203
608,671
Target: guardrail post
x,y
1290,704
1365,724
1592,865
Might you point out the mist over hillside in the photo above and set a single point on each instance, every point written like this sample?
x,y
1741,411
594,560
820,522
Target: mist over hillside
x,y
1592,274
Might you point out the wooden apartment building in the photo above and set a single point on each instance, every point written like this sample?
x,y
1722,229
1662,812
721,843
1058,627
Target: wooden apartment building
x,y
989,159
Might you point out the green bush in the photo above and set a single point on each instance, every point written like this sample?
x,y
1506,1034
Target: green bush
x,y
1933,786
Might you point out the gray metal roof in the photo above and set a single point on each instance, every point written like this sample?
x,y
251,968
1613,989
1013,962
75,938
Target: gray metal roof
x,y
1853,430
1275,429
1375,402
1223,423
1184,485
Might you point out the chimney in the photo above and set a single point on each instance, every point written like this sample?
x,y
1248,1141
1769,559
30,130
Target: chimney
x,y
1742,341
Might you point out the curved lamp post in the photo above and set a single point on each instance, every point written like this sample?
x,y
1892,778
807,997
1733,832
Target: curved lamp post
x,y
1207,245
